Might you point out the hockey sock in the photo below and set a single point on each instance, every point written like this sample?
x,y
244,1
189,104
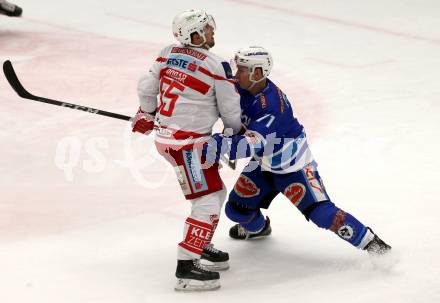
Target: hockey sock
x,y
256,224
251,219
197,235
328,216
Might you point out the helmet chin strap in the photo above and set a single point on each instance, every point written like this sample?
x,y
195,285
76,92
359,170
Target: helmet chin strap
x,y
254,81
203,44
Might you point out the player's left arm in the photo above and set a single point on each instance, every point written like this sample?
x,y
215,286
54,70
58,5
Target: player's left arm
x,y
259,133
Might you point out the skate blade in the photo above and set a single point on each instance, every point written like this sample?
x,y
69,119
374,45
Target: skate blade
x,y
214,266
188,285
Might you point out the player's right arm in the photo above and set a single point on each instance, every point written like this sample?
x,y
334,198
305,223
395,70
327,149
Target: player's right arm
x,y
148,89
148,85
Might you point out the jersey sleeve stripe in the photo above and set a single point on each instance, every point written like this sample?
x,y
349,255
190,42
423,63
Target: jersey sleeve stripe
x,y
214,76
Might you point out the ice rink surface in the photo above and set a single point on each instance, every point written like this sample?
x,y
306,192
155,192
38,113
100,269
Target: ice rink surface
x,y
91,213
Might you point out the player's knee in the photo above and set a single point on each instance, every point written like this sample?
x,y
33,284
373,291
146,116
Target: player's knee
x,y
239,213
323,214
208,205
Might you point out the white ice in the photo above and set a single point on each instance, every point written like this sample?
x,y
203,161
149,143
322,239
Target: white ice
x,y
91,213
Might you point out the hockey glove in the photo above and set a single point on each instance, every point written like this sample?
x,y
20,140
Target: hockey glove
x,y
143,122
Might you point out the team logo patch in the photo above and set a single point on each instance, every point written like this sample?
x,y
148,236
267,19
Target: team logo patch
x,y
192,67
263,101
246,188
295,192
346,232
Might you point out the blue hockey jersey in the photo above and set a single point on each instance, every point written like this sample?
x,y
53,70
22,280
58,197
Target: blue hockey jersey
x,y
280,145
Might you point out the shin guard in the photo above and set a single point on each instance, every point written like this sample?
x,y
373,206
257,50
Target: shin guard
x,y
328,216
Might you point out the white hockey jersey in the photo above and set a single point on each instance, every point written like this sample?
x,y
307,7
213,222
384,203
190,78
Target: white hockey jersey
x,y
194,88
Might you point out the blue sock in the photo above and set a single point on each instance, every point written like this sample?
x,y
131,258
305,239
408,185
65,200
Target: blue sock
x,y
328,216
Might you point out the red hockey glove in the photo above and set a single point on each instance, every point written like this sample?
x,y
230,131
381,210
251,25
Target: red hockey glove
x,y
143,122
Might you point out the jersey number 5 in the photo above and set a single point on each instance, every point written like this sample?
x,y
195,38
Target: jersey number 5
x,y
167,98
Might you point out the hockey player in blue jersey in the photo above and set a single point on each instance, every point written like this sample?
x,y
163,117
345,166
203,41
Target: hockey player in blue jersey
x,y
281,162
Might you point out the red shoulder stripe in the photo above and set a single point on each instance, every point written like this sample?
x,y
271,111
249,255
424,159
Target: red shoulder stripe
x,y
185,79
216,77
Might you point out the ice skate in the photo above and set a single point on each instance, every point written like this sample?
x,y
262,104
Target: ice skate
x,y
377,247
380,254
213,259
192,277
239,232
10,9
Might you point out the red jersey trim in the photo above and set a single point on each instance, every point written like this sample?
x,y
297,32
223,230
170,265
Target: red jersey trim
x,y
186,80
216,77
189,52
178,134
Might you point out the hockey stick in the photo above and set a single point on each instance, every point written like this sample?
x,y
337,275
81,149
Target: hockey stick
x,y
231,163
12,78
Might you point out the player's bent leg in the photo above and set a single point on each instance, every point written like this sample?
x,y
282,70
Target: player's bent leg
x,y
306,191
253,190
347,227
251,222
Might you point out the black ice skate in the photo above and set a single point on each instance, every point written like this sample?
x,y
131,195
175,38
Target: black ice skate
x,y
10,9
239,232
192,277
377,247
214,259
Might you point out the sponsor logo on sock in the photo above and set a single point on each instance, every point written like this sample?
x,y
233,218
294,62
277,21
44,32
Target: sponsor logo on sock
x,y
346,232
197,236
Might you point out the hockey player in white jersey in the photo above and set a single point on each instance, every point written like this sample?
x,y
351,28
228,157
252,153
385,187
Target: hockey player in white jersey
x,y
10,9
194,88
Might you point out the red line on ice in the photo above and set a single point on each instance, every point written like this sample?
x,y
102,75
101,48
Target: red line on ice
x,y
340,22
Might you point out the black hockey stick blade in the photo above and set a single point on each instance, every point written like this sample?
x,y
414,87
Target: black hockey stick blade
x,y
12,78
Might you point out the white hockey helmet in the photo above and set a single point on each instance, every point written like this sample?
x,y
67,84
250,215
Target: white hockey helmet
x,y
191,21
253,57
